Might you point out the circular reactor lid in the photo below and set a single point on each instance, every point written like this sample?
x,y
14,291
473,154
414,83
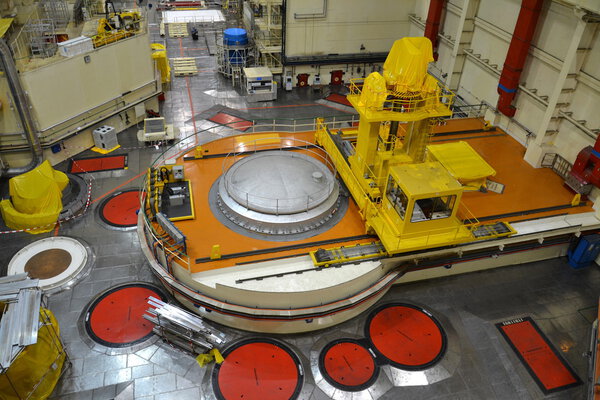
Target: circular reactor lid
x,y
278,182
278,194
56,261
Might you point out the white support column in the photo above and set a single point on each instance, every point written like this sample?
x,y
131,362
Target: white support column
x,y
535,151
463,37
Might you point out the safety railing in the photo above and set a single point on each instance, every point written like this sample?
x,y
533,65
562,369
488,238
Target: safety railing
x,y
469,110
302,124
557,163
466,216
404,102
20,45
158,240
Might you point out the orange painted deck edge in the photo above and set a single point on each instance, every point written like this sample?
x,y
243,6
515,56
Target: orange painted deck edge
x,y
526,188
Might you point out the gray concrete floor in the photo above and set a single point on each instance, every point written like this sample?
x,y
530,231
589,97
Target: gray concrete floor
x,y
561,300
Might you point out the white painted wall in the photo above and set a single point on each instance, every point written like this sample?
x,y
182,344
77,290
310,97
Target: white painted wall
x,y
348,24
118,76
494,24
112,71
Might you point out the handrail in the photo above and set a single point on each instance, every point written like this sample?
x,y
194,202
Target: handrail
x,y
242,150
172,253
405,102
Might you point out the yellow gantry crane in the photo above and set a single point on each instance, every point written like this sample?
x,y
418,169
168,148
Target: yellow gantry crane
x,y
407,194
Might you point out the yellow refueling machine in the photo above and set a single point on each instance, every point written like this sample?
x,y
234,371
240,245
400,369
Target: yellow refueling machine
x,y
406,195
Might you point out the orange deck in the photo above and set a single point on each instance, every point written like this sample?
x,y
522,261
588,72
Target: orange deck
x,y
206,231
528,194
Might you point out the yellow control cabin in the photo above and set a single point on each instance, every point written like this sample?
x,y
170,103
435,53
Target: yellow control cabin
x,y
407,197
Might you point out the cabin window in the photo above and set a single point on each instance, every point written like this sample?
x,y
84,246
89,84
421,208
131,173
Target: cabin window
x,y
397,197
433,208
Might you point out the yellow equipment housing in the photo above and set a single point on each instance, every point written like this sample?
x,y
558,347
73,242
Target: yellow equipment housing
x,y
462,162
409,202
420,208
36,371
35,199
159,54
117,26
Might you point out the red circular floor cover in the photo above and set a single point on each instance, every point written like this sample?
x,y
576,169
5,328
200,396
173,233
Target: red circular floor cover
x,y
348,364
116,318
406,336
258,370
121,209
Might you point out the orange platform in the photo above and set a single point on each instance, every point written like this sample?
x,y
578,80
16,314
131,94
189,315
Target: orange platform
x,y
529,193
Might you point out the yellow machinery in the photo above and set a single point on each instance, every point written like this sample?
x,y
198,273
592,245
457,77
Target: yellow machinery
x,y
410,202
35,199
37,369
169,193
159,54
116,26
462,162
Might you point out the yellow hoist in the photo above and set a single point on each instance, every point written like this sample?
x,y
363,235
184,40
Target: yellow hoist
x,y
116,25
408,193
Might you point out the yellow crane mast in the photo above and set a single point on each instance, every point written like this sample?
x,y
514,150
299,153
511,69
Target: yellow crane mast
x,y
406,196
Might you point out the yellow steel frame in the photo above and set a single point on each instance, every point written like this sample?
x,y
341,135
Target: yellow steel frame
x,y
339,256
381,155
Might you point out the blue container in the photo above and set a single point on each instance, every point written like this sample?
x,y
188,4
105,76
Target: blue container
x,y
585,252
236,37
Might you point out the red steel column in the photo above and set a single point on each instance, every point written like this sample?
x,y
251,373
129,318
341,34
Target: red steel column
x,y
432,25
517,54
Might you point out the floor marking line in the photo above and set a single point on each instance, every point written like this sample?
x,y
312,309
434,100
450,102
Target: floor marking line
x,y
117,187
335,108
282,106
187,84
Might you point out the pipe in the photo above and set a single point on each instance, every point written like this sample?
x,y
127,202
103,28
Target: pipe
x,y
432,25
322,14
22,106
355,58
517,54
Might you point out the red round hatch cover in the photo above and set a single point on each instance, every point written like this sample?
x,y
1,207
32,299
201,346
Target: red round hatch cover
x,y
120,209
408,336
348,365
115,318
258,369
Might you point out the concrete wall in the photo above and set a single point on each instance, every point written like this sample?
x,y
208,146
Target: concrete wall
x,y
494,22
112,71
346,26
72,97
